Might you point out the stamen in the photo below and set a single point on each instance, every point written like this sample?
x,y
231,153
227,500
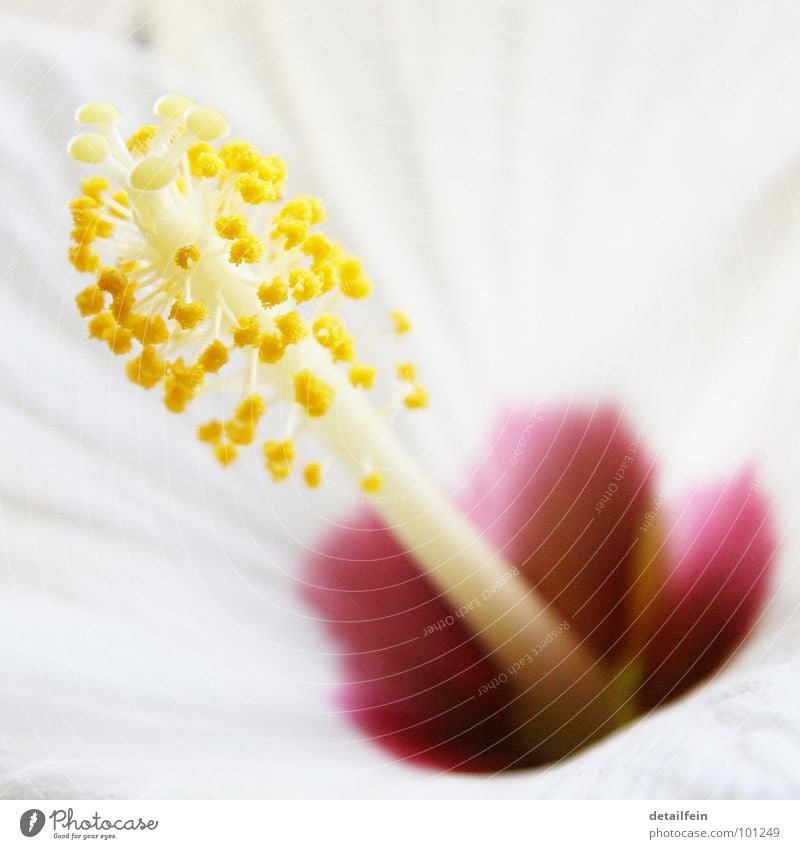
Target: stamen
x,y
192,249
197,258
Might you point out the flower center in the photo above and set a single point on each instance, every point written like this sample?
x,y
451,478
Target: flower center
x,y
198,260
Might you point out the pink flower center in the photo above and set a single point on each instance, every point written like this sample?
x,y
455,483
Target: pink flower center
x,y
666,590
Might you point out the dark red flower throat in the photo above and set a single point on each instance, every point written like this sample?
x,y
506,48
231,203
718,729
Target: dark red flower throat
x,y
569,495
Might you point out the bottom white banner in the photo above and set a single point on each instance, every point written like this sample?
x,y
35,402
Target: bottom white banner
x,y
378,825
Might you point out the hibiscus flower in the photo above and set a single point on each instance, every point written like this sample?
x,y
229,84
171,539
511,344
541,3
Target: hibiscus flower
x,y
568,494
556,246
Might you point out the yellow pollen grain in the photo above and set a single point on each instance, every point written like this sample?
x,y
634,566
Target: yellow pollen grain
x,y
181,384
279,457
177,397
214,357
147,369
400,321
272,169
240,156
231,226
251,409
279,471
204,161
112,281
291,327
292,231
416,399
317,247
225,452
83,258
304,208
312,474
372,482
352,282
188,314
139,142
94,187
362,376
282,451
186,255
240,432
313,394
295,218
328,274
271,349
90,300
104,327
304,285
406,371
241,429
254,190
274,293
122,304
210,431
330,332
248,333
247,248
149,329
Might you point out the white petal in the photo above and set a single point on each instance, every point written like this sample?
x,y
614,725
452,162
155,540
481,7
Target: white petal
x,y
599,198
152,643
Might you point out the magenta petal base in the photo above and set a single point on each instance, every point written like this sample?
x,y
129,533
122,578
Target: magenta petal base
x,y
568,495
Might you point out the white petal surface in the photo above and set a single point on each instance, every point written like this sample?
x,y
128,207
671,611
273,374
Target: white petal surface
x,y
584,201
150,642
